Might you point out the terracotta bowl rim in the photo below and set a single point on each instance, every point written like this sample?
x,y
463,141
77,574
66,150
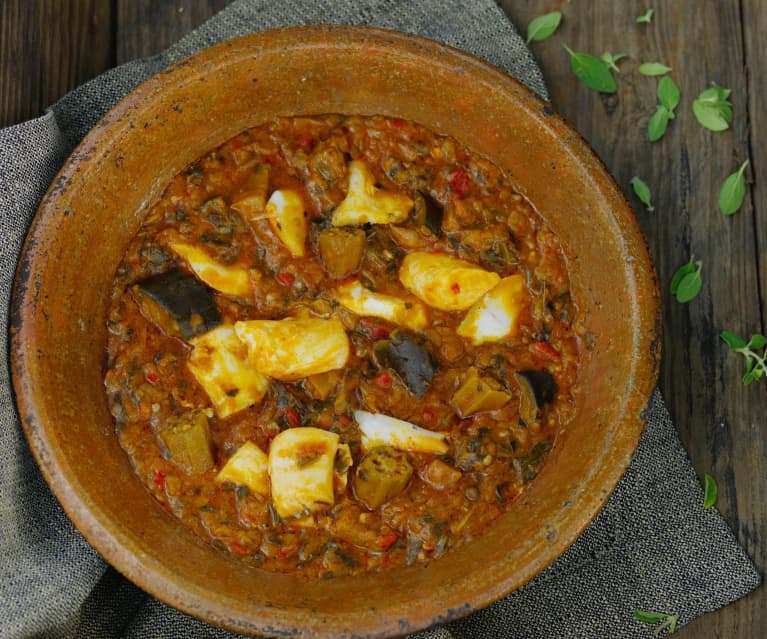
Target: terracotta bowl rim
x,y
159,580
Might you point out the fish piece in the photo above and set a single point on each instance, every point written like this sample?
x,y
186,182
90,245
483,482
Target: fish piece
x,y
496,315
367,204
413,364
479,393
247,467
445,282
383,430
177,303
187,440
234,280
301,470
382,474
219,362
287,216
363,301
290,349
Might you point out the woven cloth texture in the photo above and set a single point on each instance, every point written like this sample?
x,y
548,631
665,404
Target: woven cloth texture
x,y
652,547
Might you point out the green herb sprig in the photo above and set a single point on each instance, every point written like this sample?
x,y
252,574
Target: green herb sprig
x,y
642,192
543,26
733,191
710,492
593,72
611,59
712,108
756,363
646,17
687,282
668,98
665,620
653,68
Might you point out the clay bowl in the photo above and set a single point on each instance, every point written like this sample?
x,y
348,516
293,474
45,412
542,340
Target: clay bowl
x,y
96,204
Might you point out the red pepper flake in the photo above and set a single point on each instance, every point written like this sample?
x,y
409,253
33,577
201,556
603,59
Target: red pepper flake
x,y
294,419
397,123
306,141
545,351
428,415
455,287
239,549
376,330
388,540
286,279
285,552
383,380
152,377
345,419
269,159
159,480
459,182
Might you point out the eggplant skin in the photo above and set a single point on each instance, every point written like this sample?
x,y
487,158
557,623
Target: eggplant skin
x,y
543,384
412,363
177,302
434,214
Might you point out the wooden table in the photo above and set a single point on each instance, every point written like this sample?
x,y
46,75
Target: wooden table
x,y
50,46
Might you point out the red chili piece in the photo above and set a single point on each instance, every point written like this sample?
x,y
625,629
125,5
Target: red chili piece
x,y
383,380
459,182
398,123
388,540
286,279
428,415
545,351
159,479
285,553
294,419
239,549
375,329
152,378
344,419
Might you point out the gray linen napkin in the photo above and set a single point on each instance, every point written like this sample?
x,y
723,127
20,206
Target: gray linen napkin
x,y
652,546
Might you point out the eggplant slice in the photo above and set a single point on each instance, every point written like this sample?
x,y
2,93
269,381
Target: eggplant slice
x,y
177,303
413,365
536,388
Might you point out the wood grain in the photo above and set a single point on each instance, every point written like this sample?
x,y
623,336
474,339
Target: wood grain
x,y
47,48
50,46
721,422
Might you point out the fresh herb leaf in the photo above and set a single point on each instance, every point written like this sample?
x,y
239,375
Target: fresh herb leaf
x,y
611,59
658,123
668,97
710,493
642,192
733,191
543,26
646,17
593,72
687,282
668,94
733,341
712,108
666,621
653,68
756,363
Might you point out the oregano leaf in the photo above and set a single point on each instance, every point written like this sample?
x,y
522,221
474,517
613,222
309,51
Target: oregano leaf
x,y
543,26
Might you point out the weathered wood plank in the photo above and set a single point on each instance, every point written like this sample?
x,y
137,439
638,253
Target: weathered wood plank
x,y
46,49
146,27
720,421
